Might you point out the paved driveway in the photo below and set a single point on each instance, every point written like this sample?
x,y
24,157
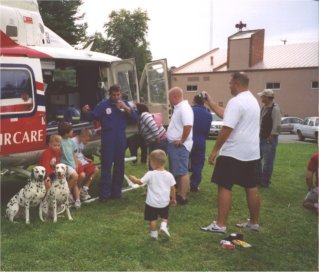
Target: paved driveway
x,y
293,139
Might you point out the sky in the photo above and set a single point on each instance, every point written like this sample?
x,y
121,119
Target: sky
x,y
181,30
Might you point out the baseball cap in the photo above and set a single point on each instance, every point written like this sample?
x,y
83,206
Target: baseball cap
x,y
267,92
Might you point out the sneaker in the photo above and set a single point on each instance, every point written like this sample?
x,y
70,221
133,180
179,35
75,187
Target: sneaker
x,y
164,230
84,195
248,225
154,235
213,227
77,204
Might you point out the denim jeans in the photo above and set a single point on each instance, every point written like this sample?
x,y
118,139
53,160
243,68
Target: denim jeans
x,y
266,163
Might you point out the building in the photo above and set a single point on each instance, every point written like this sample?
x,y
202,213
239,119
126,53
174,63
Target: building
x,y
291,70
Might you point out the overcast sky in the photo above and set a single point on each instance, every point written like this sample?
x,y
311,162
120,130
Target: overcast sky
x,y
181,30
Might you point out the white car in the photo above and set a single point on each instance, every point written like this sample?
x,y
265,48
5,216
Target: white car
x,y
308,128
288,124
215,127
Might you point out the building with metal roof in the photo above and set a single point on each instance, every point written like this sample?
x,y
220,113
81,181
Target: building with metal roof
x,y
291,70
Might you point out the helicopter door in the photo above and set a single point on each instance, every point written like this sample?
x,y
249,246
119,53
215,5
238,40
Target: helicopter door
x,y
154,88
123,73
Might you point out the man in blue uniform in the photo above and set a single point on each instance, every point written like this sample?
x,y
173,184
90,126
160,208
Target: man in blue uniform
x,y
202,123
114,114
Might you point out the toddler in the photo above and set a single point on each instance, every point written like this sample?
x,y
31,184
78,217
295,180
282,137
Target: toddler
x,y
160,187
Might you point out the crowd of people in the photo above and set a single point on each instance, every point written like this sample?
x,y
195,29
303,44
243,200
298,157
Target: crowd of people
x,y
243,154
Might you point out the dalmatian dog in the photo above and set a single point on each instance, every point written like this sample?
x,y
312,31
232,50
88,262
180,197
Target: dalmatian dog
x,y
30,195
57,196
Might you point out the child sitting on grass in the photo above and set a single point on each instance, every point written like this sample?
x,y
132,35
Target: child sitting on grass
x,y
160,187
85,165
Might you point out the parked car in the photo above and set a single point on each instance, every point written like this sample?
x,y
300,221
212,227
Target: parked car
x,y
215,126
288,124
308,128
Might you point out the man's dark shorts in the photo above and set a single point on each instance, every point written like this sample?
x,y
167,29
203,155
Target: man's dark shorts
x,y
151,213
229,171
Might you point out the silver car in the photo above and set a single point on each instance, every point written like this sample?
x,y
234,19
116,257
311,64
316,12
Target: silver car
x,y
215,127
288,124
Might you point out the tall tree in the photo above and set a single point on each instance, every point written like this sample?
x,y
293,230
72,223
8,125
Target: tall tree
x,y
62,17
126,36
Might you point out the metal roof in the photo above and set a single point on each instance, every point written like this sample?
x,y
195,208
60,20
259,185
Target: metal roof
x,y
275,57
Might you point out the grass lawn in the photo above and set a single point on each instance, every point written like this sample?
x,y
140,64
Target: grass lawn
x,y
114,236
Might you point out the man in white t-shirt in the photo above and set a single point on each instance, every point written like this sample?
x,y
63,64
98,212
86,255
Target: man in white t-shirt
x,y
180,142
238,147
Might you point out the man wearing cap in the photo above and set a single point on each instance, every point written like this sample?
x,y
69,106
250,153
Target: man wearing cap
x,y
270,119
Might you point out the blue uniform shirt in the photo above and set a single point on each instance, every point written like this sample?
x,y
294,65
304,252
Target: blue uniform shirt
x,y
111,117
202,122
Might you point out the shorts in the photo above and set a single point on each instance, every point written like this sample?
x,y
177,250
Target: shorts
x,y
70,170
88,169
178,157
152,213
229,171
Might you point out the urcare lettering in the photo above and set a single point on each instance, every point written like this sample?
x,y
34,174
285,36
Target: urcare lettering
x,y
20,137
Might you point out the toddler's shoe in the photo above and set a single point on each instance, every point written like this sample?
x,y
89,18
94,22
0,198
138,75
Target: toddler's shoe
x,y
154,235
164,230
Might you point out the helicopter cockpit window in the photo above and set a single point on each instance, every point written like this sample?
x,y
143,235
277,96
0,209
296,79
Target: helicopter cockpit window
x,y
17,90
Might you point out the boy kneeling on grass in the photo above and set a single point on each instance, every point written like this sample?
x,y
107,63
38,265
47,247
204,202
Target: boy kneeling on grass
x,y
160,187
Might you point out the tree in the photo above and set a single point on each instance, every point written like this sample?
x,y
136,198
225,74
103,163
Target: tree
x,y
126,36
62,17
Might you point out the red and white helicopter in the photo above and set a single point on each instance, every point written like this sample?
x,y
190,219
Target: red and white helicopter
x,y
44,79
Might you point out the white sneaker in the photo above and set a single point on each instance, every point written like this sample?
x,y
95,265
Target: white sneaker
x,y
84,195
77,204
248,225
164,230
154,235
213,227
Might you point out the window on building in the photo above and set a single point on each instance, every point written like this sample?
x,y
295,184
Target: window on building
x,y
273,85
314,85
191,88
206,78
193,79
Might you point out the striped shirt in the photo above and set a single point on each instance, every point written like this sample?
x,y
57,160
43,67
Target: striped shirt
x,y
149,129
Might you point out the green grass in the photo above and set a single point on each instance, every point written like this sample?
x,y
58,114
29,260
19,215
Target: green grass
x,y
114,236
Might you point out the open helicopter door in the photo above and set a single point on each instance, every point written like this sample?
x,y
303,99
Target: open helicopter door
x,y
123,73
154,88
